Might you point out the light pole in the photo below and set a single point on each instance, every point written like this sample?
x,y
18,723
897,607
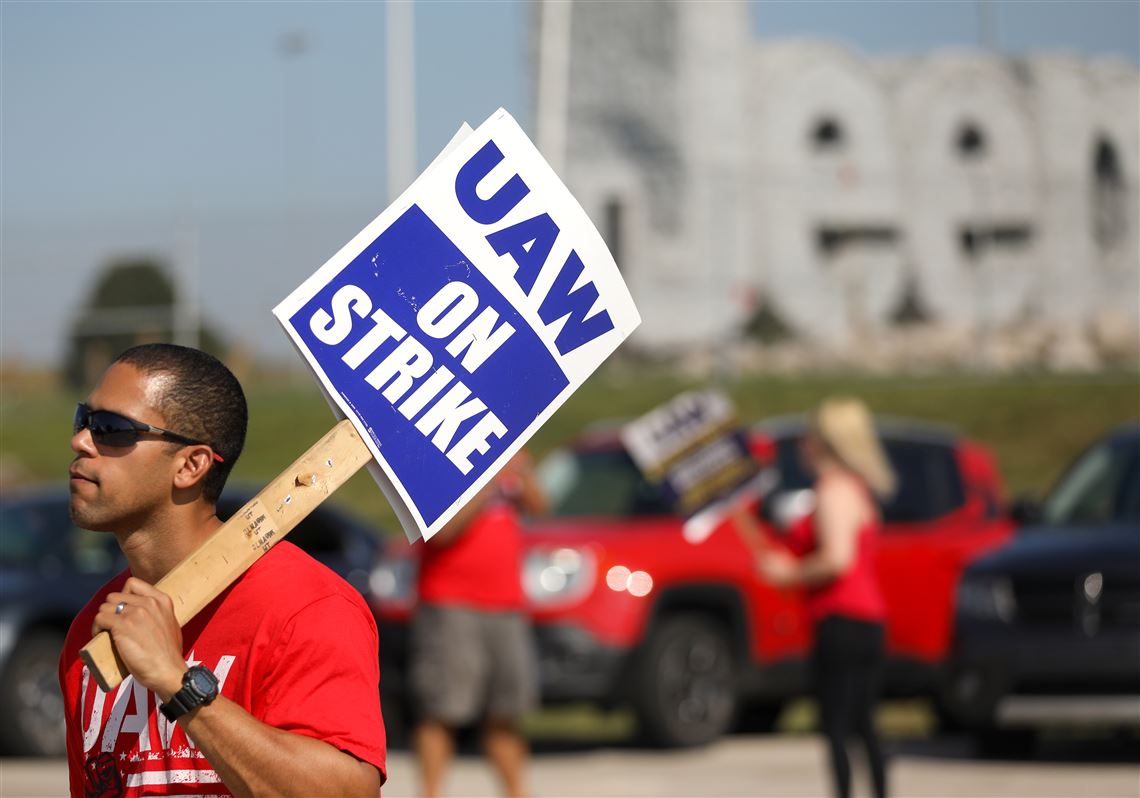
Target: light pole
x,y
553,81
292,46
401,81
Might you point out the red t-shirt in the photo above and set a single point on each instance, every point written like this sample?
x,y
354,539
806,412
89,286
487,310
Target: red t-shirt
x,y
290,642
480,568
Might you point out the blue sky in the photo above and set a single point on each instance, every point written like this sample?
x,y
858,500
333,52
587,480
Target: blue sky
x,y
185,130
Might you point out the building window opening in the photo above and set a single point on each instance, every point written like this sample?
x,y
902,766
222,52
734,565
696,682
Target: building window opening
x,y
1109,211
978,240
828,135
971,141
833,240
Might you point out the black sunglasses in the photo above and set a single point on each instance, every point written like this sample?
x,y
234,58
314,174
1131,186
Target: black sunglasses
x,y
115,429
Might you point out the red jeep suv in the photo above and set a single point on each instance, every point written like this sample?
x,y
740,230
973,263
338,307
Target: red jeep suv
x,y
628,612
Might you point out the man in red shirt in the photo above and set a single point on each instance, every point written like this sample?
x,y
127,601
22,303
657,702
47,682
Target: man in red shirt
x,y
272,688
471,653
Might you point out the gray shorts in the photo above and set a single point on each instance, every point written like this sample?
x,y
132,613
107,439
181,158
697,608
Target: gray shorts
x,y
467,664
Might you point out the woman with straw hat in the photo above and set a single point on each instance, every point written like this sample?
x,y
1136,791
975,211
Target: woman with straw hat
x,y
830,555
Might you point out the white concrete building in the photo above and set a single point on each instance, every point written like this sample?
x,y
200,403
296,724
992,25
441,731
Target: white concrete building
x,y
959,191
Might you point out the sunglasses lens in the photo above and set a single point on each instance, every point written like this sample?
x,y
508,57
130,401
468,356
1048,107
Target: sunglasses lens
x,y
112,429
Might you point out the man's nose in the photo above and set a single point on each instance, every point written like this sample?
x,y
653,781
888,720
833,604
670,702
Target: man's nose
x,y
82,442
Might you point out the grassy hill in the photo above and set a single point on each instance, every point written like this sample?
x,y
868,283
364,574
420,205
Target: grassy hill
x,y
1034,423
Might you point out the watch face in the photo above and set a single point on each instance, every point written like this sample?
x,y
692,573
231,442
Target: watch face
x,y
202,682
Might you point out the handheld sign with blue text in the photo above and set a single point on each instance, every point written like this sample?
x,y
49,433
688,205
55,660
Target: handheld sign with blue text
x,y
445,334
694,450
460,319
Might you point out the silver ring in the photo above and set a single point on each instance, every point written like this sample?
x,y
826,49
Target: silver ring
x,y
122,605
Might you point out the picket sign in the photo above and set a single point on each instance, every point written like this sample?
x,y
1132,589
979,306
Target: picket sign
x,y
443,335
459,320
693,448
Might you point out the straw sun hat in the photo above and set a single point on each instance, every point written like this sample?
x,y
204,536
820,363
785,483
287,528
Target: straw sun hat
x,y
845,425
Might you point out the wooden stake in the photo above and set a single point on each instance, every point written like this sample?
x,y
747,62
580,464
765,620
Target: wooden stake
x,y
240,542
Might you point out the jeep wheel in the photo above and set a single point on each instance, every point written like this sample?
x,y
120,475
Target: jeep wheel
x,y
30,701
684,689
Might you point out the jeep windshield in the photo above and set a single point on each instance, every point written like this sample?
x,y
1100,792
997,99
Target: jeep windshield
x,y
598,483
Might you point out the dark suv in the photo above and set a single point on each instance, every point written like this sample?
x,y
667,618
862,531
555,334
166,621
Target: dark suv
x,y
1048,628
626,611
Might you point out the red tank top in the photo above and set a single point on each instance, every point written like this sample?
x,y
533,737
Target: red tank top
x,y
855,592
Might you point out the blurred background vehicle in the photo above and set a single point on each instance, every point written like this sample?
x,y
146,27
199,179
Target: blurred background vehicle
x,y
1048,628
626,612
49,568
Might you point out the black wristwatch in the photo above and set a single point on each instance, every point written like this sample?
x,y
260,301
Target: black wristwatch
x,y
199,688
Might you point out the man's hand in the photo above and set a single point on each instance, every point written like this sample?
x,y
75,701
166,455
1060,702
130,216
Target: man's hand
x,y
146,635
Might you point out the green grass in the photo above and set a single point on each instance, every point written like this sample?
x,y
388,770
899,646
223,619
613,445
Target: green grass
x,y
1035,424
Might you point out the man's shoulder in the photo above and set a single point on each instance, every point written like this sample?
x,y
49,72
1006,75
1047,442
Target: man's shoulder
x,y
295,578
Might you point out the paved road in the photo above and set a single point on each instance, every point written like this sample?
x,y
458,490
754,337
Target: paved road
x,y
741,767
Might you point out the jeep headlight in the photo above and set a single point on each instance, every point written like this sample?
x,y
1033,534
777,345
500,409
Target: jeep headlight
x,y
987,599
556,576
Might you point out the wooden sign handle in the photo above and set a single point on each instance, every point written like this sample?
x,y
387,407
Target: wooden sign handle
x,y
242,540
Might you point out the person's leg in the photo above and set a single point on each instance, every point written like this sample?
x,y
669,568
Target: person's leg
x,y
447,673
834,695
508,752
867,697
513,691
434,745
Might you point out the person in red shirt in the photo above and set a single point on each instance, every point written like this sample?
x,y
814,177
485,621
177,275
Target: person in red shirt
x,y
273,687
830,554
471,655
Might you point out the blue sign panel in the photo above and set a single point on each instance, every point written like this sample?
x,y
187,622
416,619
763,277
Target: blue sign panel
x,y
438,365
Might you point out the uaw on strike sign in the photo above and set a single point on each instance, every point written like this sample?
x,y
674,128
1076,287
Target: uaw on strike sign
x,y
457,322
445,333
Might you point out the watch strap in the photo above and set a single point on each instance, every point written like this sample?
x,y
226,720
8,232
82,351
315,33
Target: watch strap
x,y
175,708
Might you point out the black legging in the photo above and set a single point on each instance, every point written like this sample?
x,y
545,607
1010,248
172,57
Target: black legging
x,y
848,660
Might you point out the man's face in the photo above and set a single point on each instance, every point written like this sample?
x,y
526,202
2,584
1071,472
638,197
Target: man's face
x,y
118,488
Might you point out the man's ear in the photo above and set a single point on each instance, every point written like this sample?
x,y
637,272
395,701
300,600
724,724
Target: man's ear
x,y
195,464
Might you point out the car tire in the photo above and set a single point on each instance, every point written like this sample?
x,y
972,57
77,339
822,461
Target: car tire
x,y
684,687
967,697
947,720
30,700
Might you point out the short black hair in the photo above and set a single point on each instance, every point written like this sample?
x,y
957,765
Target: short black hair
x,y
203,400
